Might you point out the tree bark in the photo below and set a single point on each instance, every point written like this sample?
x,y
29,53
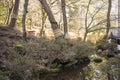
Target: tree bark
x,y
108,18
118,13
44,17
9,11
119,18
63,3
14,14
24,20
57,32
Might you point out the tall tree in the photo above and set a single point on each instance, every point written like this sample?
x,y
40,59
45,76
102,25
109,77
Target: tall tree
x,y
24,18
14,14
57,32
86,21
118,17
108,18
118,13
63,4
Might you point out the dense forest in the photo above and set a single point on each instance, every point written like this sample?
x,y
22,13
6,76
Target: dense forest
x,y
59,40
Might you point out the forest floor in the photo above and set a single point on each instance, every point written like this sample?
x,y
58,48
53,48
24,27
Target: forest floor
x,y
10,37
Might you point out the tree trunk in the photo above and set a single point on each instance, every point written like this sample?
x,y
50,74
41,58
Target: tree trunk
x,y
57,32
8,17
86,21
85,36
44,17
108,18
23,20
63,3
119,18
14,14
9,11
118,13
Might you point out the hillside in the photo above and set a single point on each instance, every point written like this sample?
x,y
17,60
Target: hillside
x,y
41,56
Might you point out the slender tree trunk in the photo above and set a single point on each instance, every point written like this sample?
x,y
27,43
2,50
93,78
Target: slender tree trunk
x,y
14,14
86,21
85,36
119,18
63,3
9,11
108,18
24,20
8,17
44,16
118,13
57,32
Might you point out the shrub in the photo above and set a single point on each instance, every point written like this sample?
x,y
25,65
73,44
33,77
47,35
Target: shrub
x,y
101,44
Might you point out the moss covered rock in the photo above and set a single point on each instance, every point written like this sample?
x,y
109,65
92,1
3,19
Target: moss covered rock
x,y
97,60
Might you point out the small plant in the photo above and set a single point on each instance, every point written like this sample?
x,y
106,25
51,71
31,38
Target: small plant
x,y
97,60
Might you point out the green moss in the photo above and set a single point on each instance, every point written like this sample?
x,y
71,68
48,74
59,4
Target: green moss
x,y
55,70
97,60
19,46
45,70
